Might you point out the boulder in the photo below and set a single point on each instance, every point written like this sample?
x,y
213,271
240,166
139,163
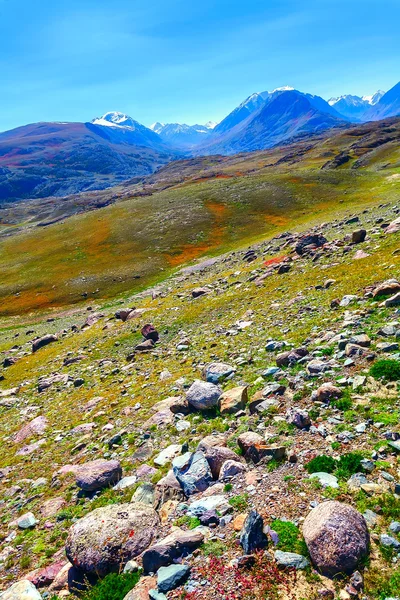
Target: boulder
x,y
176,404
43,341
203,396
144,494
358,236
27,521
179,543
145,346
394,226
309,242
36,426
387,288
230,469
326,392
169,578
290,357
298,417
150,333
168,454
22,590
45,382
98,474
216,372
216,456
193,472
252,536
197,292
337,537
44,577
254,448
233,400
108,537
393,300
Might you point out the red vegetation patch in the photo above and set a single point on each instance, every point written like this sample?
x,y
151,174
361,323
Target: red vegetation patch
x,y
275,261
262,580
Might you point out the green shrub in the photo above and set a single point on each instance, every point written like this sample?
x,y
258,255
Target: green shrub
x,y
386,368
342,403
112,587
239,502
290,538
325,464
190,522
349,464
214,548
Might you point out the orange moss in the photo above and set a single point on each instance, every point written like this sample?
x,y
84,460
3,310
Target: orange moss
x,y
277,220
189,252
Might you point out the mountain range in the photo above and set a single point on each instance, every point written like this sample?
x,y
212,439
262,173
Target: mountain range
x,y
59,159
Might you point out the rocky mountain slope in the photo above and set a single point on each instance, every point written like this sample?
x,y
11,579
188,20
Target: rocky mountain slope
x,y
269,119
58,159
232,433
189,208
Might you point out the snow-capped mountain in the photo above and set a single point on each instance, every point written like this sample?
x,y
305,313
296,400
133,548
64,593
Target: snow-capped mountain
x,y
120,128
181,135
266,119
388,106
355,107
374,99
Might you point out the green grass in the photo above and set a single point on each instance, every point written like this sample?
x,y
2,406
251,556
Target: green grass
x,y
239,502
103,252
386,368
290,538
112,587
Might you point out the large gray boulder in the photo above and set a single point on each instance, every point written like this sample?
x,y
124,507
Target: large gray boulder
x,y
193,472
22,590
108,537
98,474
337,537
203,396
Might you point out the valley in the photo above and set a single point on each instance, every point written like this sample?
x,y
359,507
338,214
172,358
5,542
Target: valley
x,y
200,359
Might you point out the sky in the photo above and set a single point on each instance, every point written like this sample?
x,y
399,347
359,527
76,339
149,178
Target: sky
x,y
186,60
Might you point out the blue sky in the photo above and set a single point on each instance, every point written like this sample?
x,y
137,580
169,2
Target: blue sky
x,y
186,60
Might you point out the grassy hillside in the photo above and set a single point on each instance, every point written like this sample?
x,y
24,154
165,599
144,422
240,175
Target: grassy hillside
x,y
293,307
190,209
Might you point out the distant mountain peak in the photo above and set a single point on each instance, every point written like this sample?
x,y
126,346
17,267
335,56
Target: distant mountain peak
x,y
211,124
374,98
115,119
283,88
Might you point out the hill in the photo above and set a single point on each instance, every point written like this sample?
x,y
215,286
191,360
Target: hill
x,y
187,210
262,393
58,159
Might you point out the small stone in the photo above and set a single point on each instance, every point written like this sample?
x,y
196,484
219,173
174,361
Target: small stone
x,y
326,479
217,372
27,521
291,560
169,578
